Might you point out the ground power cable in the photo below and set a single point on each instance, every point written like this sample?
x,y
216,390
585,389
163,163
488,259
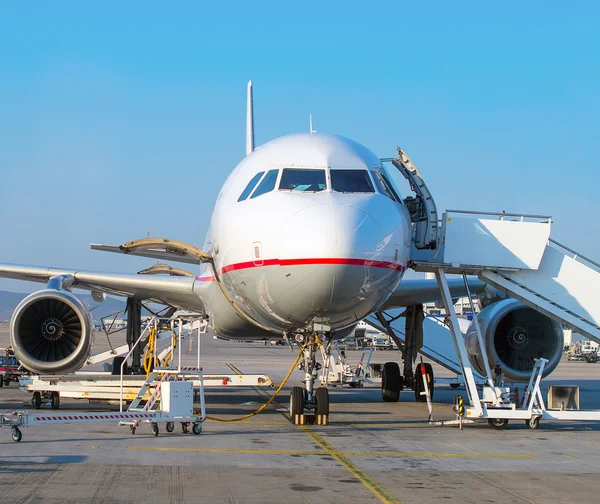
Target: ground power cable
x,y
271,399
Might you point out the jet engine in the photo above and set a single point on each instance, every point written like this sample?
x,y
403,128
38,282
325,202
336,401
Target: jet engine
x,y
51,332
514,335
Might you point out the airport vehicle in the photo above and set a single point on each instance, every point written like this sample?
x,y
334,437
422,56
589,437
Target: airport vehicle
x,y
338,371
333,253
10,368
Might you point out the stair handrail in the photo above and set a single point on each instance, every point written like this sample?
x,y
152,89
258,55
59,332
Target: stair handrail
x,y
503,214
148,325
576,254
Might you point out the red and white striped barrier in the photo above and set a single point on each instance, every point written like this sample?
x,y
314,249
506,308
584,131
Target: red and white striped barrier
x,y
91,417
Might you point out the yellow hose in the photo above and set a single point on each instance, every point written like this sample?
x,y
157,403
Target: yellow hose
x,y
149,352
272,398
173,347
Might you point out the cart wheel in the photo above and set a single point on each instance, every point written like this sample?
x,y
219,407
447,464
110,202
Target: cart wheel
x,y
534,423
55,400
170,426
197,428
497,423
155,429
17,435
132,429
36,400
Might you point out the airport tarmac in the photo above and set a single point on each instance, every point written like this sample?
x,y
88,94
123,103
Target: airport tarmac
x,y
371,452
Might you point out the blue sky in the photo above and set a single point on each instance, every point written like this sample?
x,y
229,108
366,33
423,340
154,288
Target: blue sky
x,y
120,119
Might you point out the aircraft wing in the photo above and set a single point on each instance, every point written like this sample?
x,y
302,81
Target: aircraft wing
x,y
411,292
171,290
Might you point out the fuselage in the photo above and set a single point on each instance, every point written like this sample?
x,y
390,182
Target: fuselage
x,y
307,227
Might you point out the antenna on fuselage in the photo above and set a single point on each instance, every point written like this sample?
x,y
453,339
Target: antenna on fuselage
x,y
249,120
310,128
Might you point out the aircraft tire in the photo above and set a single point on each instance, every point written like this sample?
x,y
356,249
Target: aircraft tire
x,y
419,387
391,382
322,396
296,402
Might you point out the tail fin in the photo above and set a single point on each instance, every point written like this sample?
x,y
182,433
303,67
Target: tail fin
x,y
249,121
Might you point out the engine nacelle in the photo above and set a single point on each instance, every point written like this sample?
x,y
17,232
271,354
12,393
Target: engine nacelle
x,y
51,332
514,335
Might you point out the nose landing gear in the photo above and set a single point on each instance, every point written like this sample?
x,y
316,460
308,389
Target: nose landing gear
x,y
308,405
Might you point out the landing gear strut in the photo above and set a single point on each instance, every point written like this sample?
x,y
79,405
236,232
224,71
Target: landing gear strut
x,y
307,401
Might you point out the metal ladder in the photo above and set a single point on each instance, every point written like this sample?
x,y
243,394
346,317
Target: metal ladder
x,y
150,380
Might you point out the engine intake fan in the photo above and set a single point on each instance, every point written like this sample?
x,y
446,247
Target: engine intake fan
x,y
514,335
51,332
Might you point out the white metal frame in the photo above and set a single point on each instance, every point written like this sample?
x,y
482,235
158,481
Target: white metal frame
x,y
534,407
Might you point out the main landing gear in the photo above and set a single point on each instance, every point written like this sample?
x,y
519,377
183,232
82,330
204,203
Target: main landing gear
x,y
305,401
392,382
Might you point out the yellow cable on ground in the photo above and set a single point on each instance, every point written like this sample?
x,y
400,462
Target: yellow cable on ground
x,y
239,419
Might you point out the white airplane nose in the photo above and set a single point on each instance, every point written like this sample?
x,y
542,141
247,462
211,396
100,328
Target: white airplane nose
x,y
330,231
335,262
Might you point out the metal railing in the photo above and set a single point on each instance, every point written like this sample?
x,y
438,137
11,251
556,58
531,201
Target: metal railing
x,y
576,255
521,216
154,321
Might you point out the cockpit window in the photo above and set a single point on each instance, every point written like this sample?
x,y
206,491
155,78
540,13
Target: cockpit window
x,y
294,179
390,187
267,184
351,181
246,192
384,186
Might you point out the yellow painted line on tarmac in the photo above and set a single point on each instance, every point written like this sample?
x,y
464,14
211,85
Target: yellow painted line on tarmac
x,y
331,451
369,483
228,450
380,492
423,424
430,454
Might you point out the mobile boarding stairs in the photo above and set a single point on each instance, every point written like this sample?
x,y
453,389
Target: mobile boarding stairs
x,y
515,254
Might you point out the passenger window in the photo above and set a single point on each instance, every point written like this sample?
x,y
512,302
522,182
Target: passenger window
x,y
351,181
246,192
383,187
294,179
267,184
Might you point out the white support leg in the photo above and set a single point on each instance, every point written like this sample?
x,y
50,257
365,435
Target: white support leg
x,y
459,344
482,347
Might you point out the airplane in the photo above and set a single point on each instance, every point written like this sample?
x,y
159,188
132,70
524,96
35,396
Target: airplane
x,y
308,237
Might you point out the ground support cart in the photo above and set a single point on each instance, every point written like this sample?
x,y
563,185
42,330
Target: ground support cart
x,y
176,400
337,371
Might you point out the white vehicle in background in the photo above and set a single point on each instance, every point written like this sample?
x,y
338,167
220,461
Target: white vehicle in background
x,y
382,342
588,347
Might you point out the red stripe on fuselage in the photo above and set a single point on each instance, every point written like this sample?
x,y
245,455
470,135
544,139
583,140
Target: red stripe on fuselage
x,y
306,261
